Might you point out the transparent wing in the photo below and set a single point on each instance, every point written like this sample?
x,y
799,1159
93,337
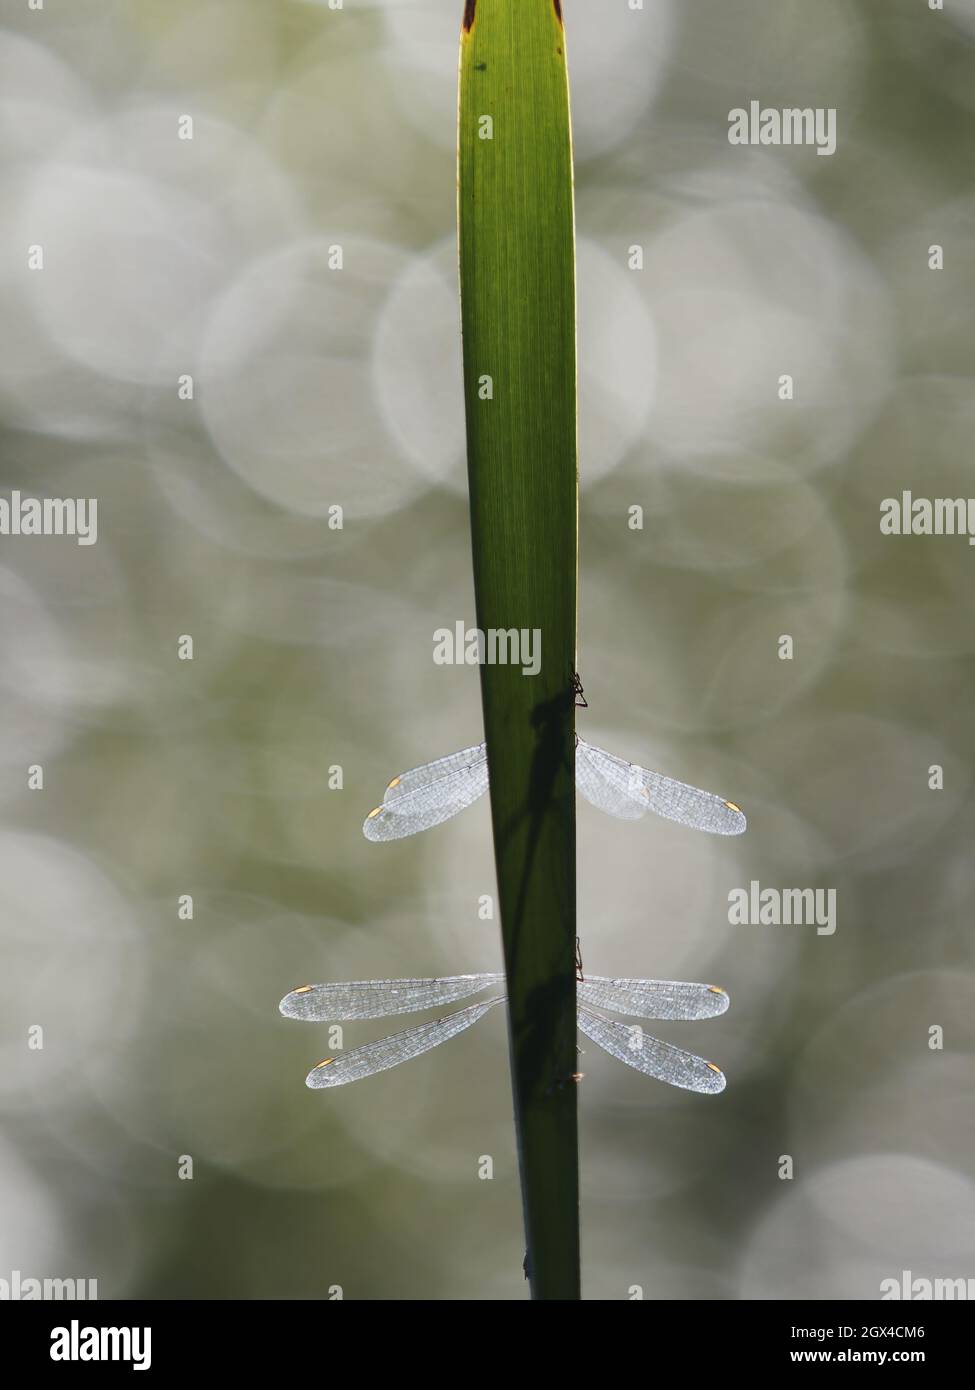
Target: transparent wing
x,y
379,998
427,795
389,1052
637,1049
606,783
628,791
440,768
670,999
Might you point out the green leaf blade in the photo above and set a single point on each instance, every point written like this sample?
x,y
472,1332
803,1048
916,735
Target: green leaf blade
x,y
517,270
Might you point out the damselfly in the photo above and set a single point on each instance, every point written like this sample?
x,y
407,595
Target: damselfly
x,y
425,796
650,999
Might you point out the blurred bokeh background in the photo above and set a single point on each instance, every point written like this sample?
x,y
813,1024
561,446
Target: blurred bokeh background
x,y
315,388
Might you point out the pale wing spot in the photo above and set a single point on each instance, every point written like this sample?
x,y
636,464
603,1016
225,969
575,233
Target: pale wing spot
x,y
376,811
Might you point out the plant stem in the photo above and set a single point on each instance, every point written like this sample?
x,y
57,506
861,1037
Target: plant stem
x,y
517,273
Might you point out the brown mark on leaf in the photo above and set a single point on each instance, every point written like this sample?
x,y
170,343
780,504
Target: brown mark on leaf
x,y
469,8
558,10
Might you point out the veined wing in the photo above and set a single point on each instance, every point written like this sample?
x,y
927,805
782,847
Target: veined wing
x,y
426,773
427,795
400,1047
379,998
667,999
607,784
651,1056
628,791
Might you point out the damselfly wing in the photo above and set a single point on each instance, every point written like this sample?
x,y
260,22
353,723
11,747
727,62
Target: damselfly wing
x,y
673,1000
652,999
379,998
650,1055
389,1052
428,795
628,791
